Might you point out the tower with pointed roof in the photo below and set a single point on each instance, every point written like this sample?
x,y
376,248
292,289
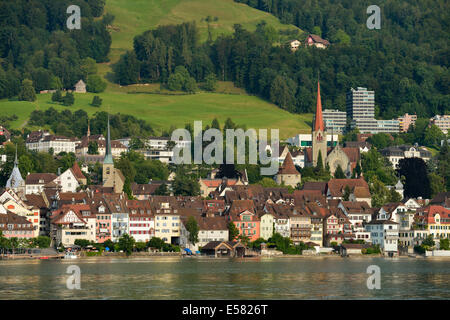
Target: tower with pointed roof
x,y
287,173
319,135
108,163
15,179
112,177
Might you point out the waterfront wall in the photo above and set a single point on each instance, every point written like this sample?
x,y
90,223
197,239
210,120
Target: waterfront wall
x,y
437,253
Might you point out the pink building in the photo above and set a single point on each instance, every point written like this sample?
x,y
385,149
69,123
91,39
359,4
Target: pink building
x,y
103,224
406,120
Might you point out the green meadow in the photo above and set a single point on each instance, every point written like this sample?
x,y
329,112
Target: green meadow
x,y
163,111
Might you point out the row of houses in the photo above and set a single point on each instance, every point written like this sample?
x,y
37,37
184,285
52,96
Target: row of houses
x,y
92,148
317,215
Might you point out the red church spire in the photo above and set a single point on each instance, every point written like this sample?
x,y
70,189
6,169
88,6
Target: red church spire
x,y
318,125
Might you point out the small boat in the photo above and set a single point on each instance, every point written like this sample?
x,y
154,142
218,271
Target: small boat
x,y
43,258
70,255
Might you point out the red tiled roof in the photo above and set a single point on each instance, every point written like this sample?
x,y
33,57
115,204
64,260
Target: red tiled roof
x,y
337,186
34,178
18,222
288,166
427,214
77,171
318,39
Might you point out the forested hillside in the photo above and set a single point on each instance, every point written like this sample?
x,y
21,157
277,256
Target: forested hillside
x,y
406,61
35,43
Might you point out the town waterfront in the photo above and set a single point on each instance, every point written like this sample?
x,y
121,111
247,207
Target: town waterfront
x,y
205,278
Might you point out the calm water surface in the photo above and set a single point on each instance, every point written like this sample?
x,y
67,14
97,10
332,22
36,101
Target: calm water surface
x,y
265,278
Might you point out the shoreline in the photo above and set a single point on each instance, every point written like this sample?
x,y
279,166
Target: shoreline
x,y
212,258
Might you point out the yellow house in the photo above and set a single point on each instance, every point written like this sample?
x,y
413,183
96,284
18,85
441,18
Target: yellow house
x,y
167,223
300,224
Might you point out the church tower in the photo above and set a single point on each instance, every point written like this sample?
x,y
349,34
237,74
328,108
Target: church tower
x,y
319,136
15,179
108,163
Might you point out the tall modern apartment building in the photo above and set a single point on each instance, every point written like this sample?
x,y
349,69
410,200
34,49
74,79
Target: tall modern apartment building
x,y
335,120
360,105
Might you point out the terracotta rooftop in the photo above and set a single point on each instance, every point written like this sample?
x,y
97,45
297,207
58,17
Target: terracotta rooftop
x,y
36,178
288,166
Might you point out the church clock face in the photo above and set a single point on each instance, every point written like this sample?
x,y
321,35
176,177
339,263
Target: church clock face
x,y
319,137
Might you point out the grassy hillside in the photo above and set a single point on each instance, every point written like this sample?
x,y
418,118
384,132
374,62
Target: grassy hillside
x,y
162,111
137,16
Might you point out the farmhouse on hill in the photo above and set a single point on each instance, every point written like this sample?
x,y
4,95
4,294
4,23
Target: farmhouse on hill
x,y
315,40
294,44
80,87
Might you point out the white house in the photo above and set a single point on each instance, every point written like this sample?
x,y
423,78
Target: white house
x,y
67,181
35,182
210,229
72,222
385,234
266,226
359,213
395,153
43,141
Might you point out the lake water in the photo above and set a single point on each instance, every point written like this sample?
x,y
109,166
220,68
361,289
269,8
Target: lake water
x,y
204,278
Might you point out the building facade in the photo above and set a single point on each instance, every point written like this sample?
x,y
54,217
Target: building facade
x,y
406,121
335,120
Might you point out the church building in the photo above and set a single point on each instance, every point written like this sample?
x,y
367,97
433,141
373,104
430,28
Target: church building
x,y
15,180
346,158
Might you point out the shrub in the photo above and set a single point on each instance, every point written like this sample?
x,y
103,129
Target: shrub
x,y
95,84
96,101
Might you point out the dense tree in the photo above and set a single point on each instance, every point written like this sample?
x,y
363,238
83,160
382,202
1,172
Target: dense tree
x,y
126,243
27,92
95,84
36,44
68,99
92,147
233,231
75,123
380,140
162,190
379,192
417,182
374,164
96,101
210,82
339,173
193,228
57,96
